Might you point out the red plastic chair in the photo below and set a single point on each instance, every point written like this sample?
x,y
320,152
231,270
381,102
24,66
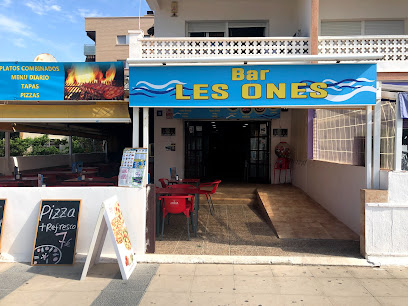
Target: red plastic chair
x,y
208,193
164,182
177,205
282,163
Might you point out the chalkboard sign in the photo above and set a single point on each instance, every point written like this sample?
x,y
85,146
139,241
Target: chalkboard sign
x,y
2,207
57,230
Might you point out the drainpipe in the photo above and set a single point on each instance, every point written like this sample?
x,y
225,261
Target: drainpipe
x,y
398,136
146,138
377,139
368,146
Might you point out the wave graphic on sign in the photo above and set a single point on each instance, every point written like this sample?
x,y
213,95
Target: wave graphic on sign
x,y
150,90
339,91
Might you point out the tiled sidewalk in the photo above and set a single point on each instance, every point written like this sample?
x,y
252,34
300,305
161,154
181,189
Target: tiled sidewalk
x,y
204,284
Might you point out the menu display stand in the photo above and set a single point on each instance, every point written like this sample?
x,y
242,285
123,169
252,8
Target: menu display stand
x,y
132,171
111,219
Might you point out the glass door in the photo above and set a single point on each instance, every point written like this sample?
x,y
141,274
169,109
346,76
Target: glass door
x,y
259,153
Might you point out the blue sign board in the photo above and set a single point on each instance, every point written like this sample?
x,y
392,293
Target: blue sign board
x,y
261,113
253,85
35,81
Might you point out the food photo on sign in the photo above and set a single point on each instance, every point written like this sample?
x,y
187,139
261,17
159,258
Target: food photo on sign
x,y
98,81
121,235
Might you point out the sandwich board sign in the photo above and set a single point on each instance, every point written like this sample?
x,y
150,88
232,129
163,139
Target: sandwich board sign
x,y
57,232
111,220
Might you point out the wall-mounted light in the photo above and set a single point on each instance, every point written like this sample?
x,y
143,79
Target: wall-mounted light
x,y
174,8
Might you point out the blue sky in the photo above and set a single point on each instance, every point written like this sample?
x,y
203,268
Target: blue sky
x,y
32,27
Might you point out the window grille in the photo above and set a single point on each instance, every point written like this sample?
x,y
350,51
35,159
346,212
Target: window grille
x,y
387,140
339,135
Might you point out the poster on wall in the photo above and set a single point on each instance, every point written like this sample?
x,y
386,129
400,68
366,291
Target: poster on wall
x,y
61,81
2,209
56,234
111,220
132,170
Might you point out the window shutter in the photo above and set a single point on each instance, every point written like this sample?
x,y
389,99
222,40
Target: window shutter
x,y
206,27
340,28
384,27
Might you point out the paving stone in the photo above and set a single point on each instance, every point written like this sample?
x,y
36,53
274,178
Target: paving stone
x,y
255,284
307,300
212,299
170,283
329,271
392,301
287,270
252,270
401,272
176,269
298,285
354,300
369,272
165,298
385,287
214,284
118,298
342,287
214,269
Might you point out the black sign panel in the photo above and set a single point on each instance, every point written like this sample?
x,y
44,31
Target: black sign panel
x,y
57,230
2,207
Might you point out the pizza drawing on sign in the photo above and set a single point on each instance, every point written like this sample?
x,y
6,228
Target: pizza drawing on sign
x,y
119,229
47,254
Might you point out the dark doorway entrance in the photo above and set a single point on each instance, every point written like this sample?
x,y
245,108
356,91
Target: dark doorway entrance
x,y
233,151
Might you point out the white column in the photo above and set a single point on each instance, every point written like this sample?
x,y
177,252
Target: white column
x,y
7,151
377,139
145,127
135,133
398,136
146,138
368,146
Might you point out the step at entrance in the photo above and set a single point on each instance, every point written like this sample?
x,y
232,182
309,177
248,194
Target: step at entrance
x,y
293,214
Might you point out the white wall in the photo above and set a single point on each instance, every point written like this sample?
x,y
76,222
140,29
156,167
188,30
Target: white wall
x,y
386,224
281,15
46,161
164,160
23,204
305,15
334,186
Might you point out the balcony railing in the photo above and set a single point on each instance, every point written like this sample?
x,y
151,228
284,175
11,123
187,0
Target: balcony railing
x,y
394,48
214,47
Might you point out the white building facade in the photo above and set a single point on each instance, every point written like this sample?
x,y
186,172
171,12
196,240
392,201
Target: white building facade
x,y
346,159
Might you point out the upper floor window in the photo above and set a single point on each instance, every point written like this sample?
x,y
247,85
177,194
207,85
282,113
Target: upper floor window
x,y
362,27
226,28
122,39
